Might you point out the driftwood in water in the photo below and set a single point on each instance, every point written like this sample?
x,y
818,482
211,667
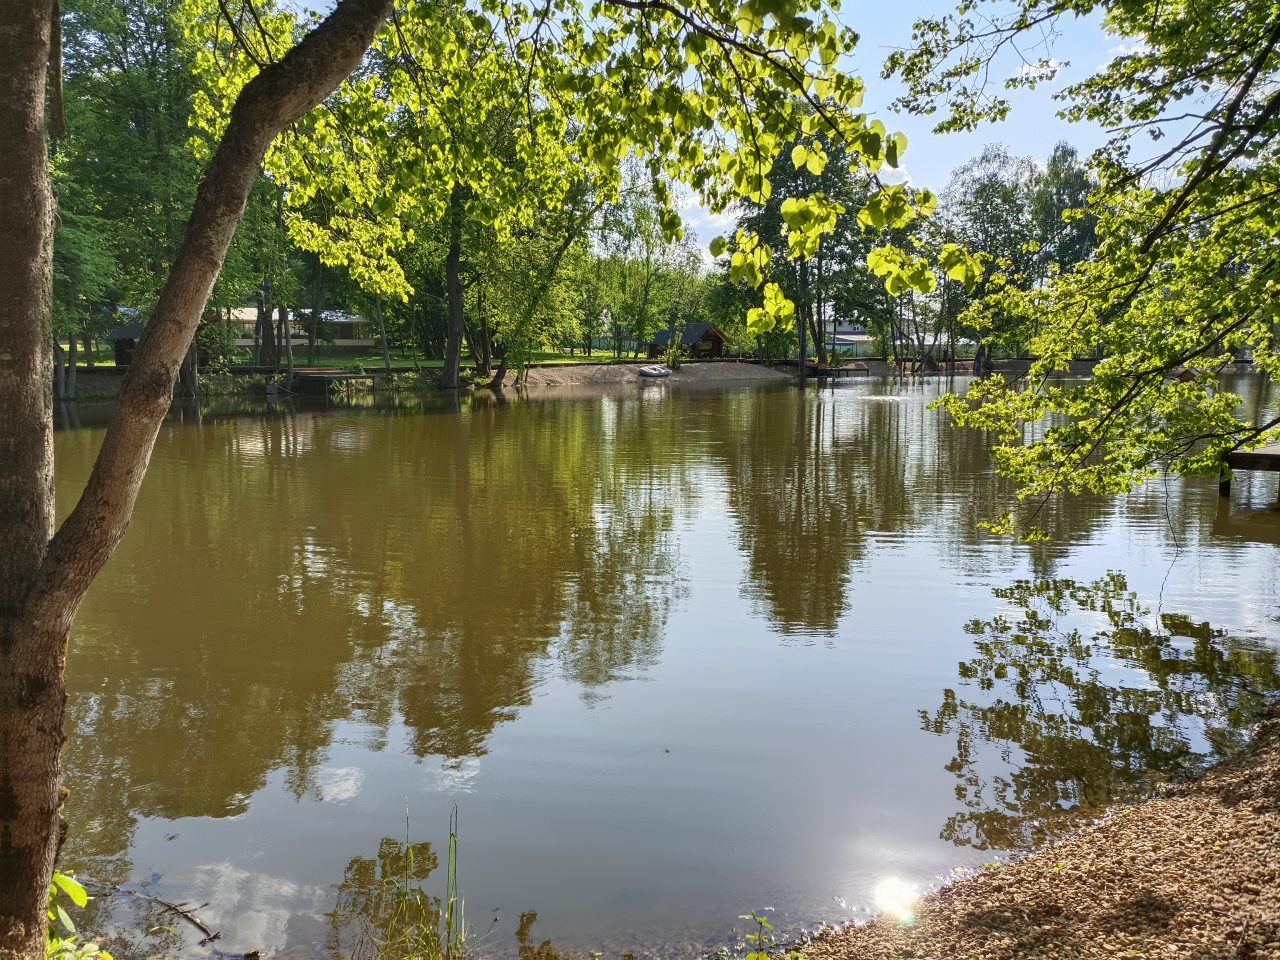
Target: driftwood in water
x,y
181,910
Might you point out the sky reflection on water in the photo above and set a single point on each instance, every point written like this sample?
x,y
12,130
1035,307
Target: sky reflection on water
x,y
673,655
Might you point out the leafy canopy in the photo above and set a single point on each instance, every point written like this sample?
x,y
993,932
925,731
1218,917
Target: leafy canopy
x,y
704,92
1186,273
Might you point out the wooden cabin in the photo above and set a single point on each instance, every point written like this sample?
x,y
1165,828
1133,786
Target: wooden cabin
x,y
700,341
123,342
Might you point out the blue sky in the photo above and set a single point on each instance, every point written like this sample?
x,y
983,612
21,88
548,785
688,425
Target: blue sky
x,y
1031,129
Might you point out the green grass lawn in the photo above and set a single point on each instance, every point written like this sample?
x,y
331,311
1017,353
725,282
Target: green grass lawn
x,y
408,358
373,358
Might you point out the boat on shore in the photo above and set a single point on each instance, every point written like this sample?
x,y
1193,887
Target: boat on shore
x,y
655,370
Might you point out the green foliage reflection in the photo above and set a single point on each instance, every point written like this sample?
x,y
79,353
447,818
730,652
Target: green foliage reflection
x,y
1082,718
382,908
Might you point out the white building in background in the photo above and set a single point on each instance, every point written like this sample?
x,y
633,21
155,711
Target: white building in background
x,y
338,329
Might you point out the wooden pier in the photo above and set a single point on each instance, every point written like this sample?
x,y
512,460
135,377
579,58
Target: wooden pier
x,y
830,372
1263,458
816,371
316,380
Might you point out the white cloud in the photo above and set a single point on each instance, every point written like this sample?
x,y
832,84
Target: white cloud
x,y
253,908
703,225
1043,69
338,784
453,776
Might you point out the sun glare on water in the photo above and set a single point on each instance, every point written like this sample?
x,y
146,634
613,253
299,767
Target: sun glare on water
x,y
897,898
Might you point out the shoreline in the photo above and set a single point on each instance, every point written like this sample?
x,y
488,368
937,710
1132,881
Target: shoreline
x,y
1192,872
103,384
573,374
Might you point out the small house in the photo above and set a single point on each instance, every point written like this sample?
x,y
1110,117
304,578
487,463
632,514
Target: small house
x,y
698,340
123,342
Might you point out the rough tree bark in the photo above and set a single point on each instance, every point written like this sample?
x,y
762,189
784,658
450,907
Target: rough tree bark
x,y
30,655
43,575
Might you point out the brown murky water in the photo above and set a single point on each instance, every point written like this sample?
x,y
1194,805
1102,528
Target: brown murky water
x,y
673,655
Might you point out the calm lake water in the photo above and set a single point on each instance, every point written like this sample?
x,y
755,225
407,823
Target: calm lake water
x,y
673,654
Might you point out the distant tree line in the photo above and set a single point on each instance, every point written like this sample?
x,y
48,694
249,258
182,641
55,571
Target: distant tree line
x,y
591,275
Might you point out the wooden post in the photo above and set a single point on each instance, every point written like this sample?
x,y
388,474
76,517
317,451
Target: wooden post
x,y
1224,481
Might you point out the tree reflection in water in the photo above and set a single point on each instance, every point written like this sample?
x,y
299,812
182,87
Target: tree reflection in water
x,y
1083,718
383,909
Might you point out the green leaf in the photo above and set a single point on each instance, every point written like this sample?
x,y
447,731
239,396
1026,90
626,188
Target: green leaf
x,y
65,919
72,888
718,246
872,215
894,146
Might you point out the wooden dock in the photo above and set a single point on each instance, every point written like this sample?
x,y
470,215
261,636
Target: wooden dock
x,y
1262,458
829,372
818,371
317,380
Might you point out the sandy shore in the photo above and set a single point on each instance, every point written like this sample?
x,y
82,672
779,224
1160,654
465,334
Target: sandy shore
x,y
563,374
1193,873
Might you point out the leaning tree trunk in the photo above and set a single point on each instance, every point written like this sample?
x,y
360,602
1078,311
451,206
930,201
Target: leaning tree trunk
x,y
43,575
500,377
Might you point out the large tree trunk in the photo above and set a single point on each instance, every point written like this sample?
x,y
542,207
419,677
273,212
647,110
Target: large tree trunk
x,y
31,689
453,292
44,576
